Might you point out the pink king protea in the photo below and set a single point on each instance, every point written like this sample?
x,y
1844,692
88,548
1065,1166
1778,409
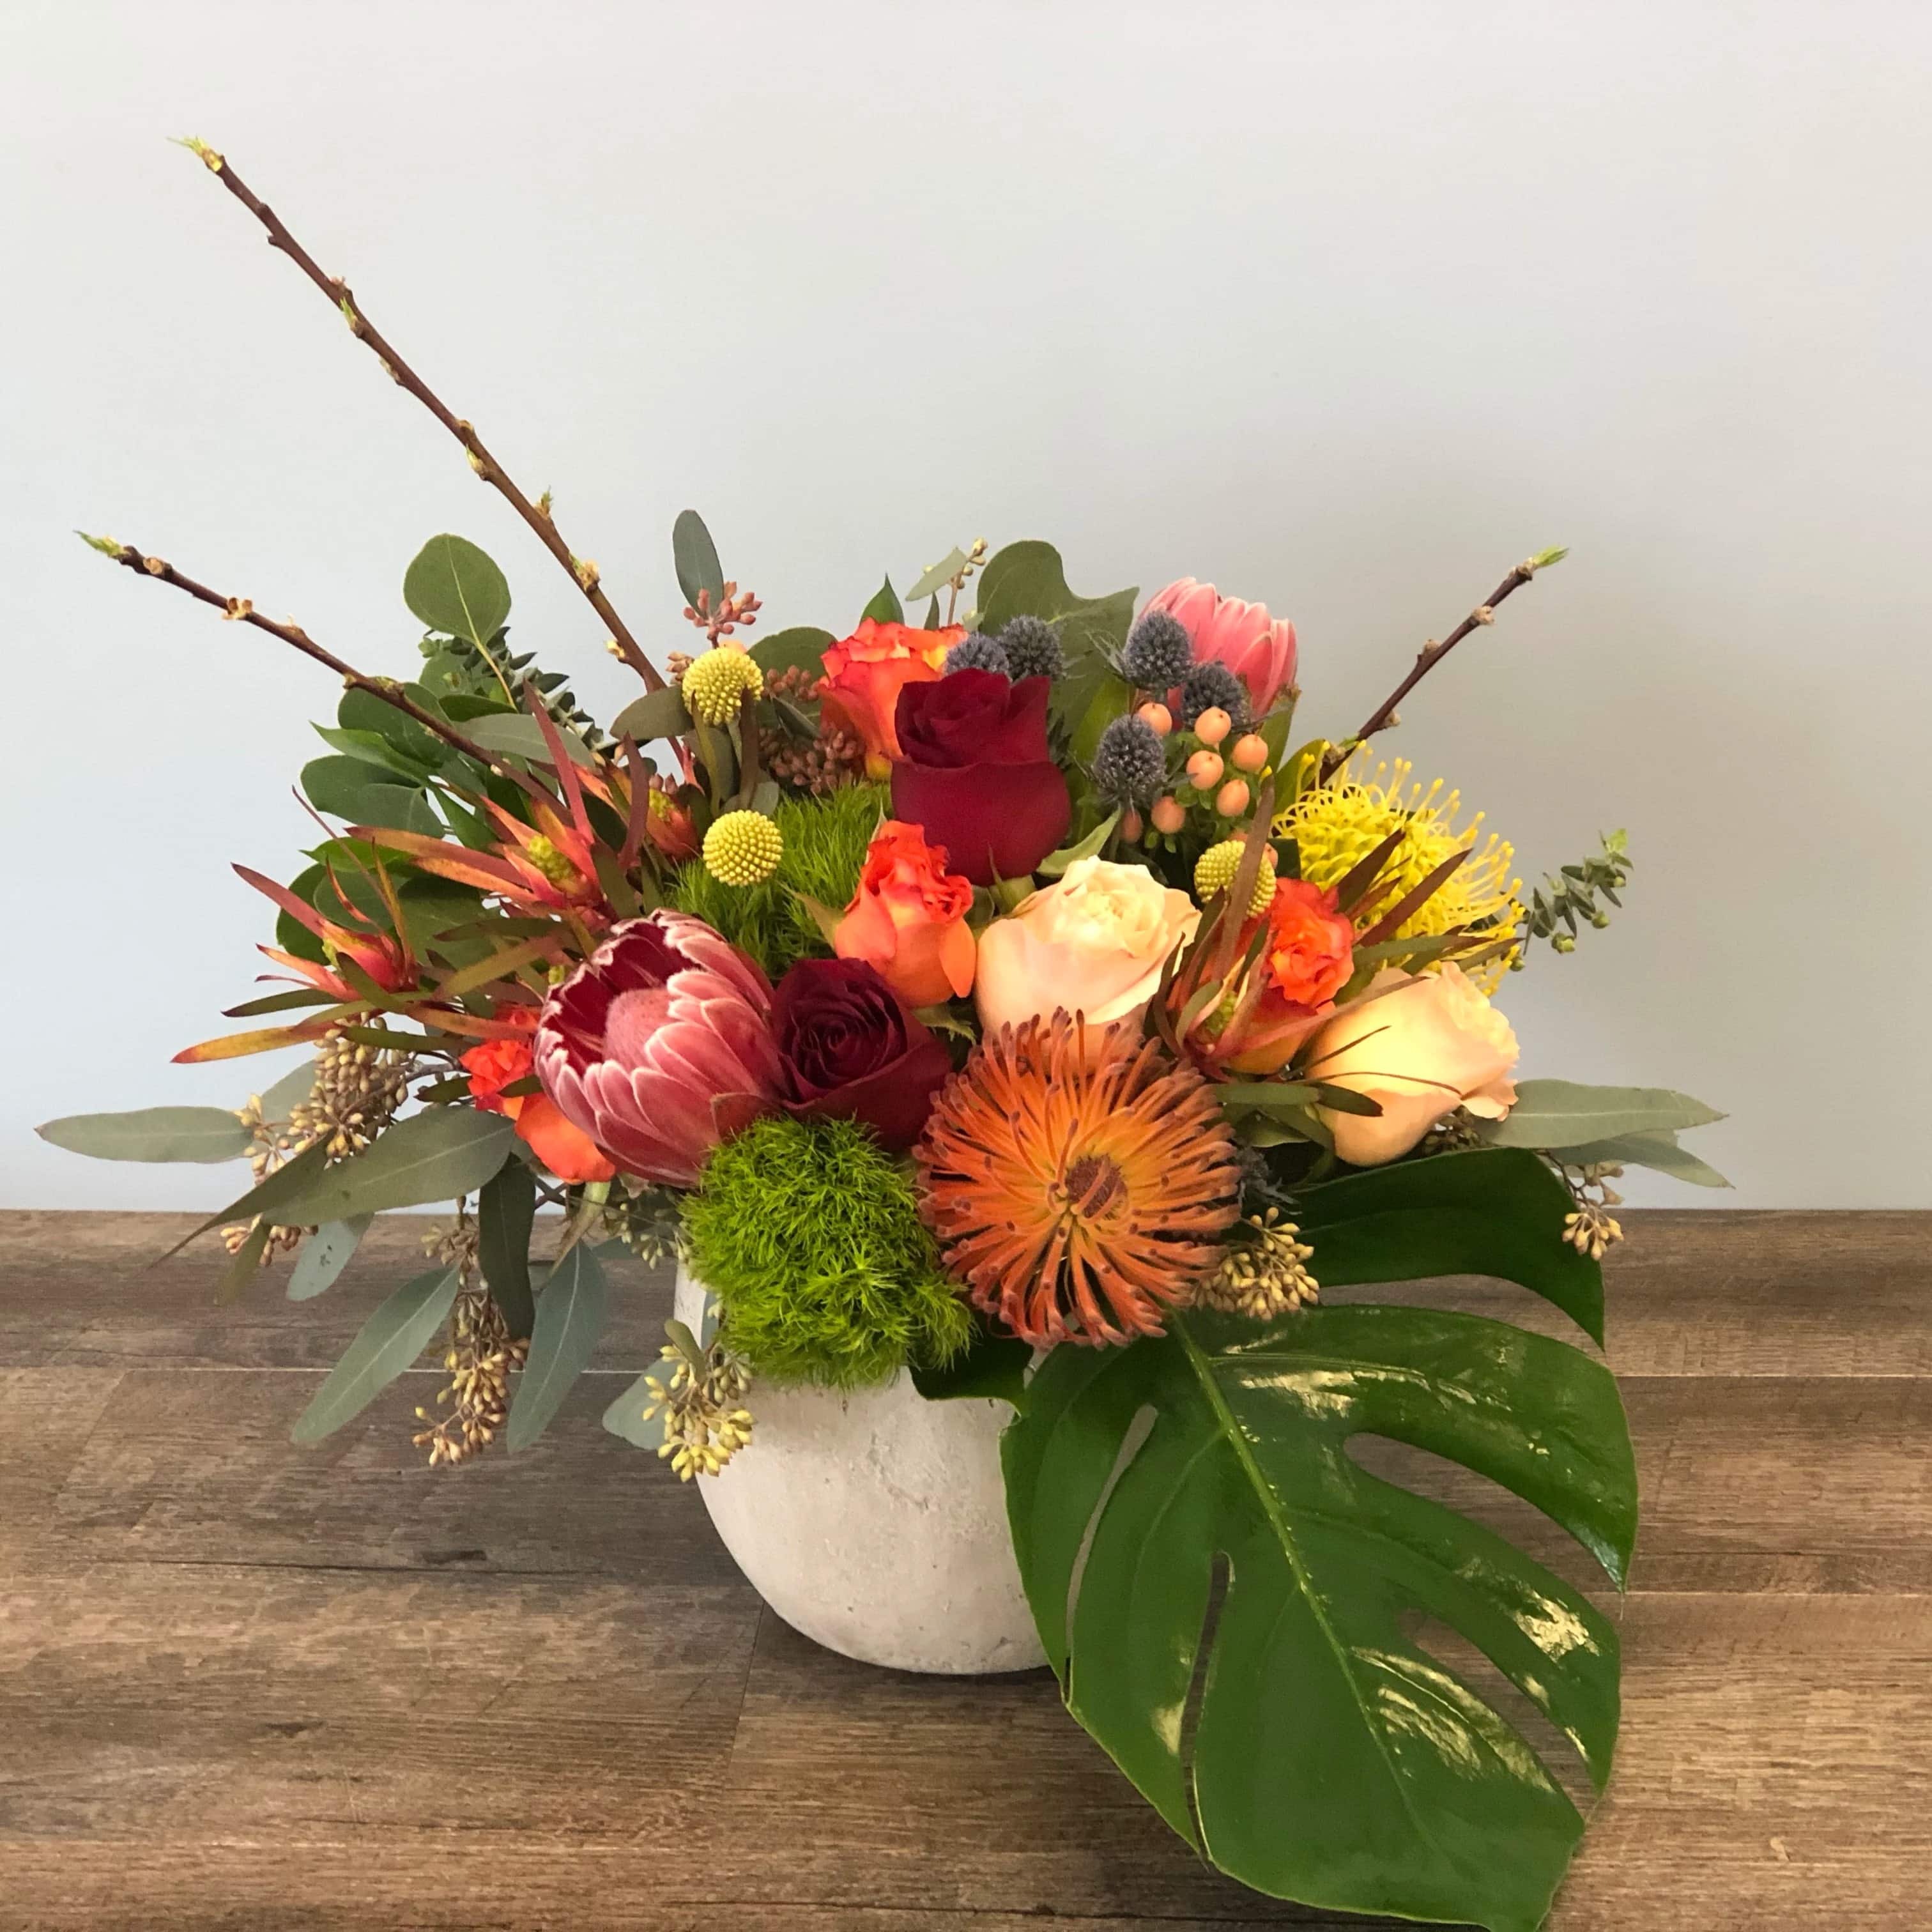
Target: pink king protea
x,y
1259,649
660,1045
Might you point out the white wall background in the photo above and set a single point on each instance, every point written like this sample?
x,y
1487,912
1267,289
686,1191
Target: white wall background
x,y
1345,306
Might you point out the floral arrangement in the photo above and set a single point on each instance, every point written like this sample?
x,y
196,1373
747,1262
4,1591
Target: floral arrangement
x,y
1006,993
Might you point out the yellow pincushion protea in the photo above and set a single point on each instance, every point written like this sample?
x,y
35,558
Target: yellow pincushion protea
x,y
1336,825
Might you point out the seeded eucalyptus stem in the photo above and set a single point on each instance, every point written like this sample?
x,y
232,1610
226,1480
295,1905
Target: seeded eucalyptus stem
x,y
1432,653
537,515
241,611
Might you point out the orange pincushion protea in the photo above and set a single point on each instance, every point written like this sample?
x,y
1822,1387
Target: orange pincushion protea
x,y
1078,1189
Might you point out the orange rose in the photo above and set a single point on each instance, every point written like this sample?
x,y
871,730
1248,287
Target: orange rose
x,y
907,919
569,1153
865,674
1311,947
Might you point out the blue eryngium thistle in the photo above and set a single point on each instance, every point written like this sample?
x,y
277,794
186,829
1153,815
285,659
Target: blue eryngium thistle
x,y
1130,763
1209,685
1159,652
1033,647
975,652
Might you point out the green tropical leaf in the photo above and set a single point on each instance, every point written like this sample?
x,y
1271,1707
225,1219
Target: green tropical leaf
x,y
1658,1151
325,1254
571,1314
438,1155
1334,1760
1495,1211
694,557
388,1343
505,1212
992,1365
204,1134
453,587
1563,1113
885,607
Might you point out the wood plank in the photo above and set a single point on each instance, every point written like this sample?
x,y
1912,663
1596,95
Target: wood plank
x,y
1693,1291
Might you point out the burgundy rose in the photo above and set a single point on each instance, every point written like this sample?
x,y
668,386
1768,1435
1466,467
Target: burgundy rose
x,y
850,1049
977,775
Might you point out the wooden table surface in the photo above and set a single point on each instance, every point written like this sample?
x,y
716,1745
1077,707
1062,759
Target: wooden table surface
x,y
243,1684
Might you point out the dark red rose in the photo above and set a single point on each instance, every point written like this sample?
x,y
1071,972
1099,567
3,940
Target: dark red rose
x,y
849,1049
976,774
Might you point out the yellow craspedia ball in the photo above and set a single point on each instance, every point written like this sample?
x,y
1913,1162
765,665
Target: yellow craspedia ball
x,y
715,684
1214,872
743,848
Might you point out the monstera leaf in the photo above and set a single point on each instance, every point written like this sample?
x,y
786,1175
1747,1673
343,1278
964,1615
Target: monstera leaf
x,y
1304,1738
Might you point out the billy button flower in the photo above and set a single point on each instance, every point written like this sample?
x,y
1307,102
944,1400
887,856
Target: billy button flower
x,y
743,848
716,685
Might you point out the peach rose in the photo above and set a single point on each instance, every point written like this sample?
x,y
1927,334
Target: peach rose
x,y
1094,943
865,673
907,918
1422,1047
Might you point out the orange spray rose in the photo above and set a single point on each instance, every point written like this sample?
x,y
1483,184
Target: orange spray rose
x,y
865,673
907,919
569,1153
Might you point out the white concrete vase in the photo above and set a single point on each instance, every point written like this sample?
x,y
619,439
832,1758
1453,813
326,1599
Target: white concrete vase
x,y
874,1523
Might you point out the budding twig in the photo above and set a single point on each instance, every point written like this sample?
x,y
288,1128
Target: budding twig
x,y
1433,652
537,515
242,611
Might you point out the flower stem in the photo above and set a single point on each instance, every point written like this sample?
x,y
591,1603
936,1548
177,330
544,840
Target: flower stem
x,y
583,573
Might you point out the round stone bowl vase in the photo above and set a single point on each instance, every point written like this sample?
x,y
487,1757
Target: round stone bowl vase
x,y
875,1522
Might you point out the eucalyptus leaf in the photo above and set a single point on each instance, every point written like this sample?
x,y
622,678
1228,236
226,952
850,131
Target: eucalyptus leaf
x,y
1335,1760
245,1263
517,734
199,1134
344,787
624,1417
571,1314
267,1195
1027,579
885,607
937,577
363,713
287,1094
804,645
694,557
452,586
325,1254
1657,1151
1055,863
369,747
505,1212
1564,1113
658,714
438,1155
389,1341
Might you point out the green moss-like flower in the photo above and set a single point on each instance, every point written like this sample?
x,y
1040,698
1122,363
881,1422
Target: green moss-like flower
x,y
808,1233
825,840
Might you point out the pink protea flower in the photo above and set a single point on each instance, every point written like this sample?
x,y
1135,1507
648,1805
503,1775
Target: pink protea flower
x,y
1259,650
660,1045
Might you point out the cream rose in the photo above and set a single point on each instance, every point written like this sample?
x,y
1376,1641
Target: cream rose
x,y
1094,943
1420,1047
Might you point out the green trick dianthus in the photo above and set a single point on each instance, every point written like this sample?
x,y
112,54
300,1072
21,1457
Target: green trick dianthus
x,y
824,845
808,1233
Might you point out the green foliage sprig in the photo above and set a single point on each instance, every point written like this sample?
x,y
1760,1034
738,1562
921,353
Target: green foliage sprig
x,y
807,1232
456,667
1553,914
825,841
